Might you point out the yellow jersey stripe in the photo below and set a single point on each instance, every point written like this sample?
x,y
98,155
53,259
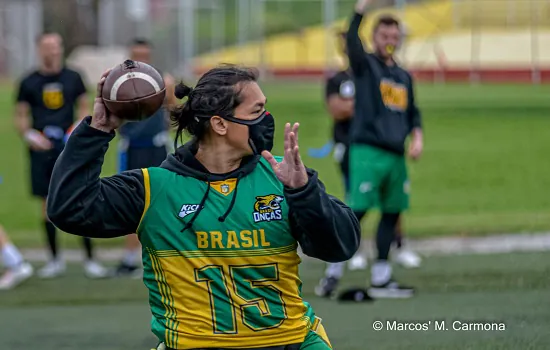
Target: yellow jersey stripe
x,y
173,312
154,264
268,250
196,256
222,253
259,251
161,290
163,253
166,299
170,312
147,188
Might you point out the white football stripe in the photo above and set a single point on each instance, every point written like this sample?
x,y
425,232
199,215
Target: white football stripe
x,y
132,75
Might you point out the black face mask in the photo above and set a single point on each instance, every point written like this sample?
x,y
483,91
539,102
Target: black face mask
x,y
261,131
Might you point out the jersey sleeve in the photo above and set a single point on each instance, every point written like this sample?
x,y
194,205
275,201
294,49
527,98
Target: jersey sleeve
x,y
324,226
23,92
82,203
413,111
356,52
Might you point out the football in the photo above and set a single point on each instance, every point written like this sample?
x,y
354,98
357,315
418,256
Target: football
x,y
133,90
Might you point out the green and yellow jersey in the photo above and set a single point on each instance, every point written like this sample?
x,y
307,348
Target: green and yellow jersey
x,y
221,283
219,251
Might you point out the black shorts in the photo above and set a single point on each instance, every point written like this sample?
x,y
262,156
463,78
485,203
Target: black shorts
x,y
42,164
138,158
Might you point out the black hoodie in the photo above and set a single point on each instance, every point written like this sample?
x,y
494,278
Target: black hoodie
x,y
377,123
83,204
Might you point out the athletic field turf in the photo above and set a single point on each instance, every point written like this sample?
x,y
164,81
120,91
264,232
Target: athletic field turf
x,y
484,171
485,167
76,313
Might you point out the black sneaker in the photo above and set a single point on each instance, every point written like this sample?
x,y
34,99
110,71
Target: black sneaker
x,y
390,290
357,295
327,287
125,270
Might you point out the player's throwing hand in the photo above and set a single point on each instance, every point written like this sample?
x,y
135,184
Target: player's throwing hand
x,y
291,171
102,119
361,5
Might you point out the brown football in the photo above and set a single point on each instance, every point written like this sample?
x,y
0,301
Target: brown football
x,y
133,90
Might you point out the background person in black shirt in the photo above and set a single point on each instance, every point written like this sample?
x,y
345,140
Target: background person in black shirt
x,y
385,115
44,114
339,99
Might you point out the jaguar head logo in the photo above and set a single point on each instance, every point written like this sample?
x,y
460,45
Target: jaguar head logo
x,y
269,203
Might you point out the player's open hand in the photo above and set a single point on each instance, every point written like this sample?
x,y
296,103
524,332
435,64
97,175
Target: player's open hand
x,y
102,119
361,5
291,171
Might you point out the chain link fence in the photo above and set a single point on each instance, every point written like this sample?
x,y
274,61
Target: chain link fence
x,y
20,22
279,36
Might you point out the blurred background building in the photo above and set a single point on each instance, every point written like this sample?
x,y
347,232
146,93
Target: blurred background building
x,y
446,39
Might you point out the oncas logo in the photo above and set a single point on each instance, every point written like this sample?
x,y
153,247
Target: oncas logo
x,y
268,208
187,209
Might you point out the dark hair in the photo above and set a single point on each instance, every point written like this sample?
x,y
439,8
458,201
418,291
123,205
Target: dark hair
x,y
386,20
217,93
140,41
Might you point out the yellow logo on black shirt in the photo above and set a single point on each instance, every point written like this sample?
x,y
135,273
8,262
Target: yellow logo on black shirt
x,y
268,208
52,95
394,95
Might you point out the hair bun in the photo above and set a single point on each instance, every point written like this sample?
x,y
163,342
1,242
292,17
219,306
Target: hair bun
x,y
182,91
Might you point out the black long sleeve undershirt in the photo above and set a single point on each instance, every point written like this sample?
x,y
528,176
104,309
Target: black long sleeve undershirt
x,y
325,227
355,50
82,203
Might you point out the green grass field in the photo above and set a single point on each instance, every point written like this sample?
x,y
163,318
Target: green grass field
x,y
484,169
76,313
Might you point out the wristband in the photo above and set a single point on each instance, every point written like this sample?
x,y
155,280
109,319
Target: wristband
x,y
32,136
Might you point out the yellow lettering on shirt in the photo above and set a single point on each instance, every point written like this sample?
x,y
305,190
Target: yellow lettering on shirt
x,y
232,239
202,239
216,239
263,240
246,239
394,95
